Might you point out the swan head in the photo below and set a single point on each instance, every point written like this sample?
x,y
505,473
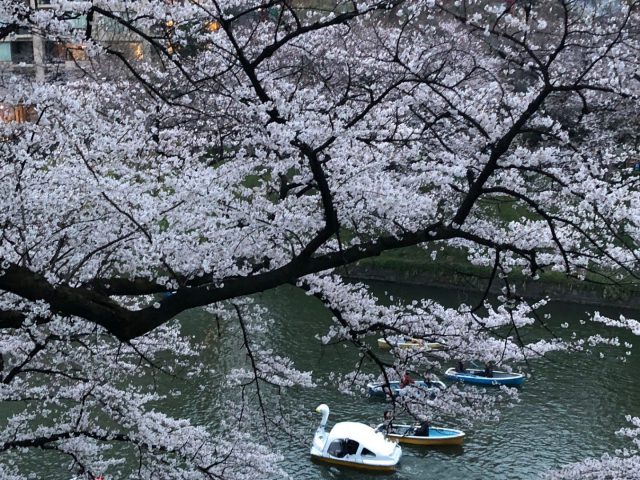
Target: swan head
x,y
324,410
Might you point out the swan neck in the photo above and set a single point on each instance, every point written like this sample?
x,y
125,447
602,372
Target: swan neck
x,y
325,418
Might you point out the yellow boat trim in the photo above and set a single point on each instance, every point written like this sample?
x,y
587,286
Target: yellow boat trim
x,y
361,466
417,343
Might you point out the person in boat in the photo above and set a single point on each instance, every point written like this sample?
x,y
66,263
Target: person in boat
x,y
460,367
427,380
387,421
351,447
488,370
406,380
422,430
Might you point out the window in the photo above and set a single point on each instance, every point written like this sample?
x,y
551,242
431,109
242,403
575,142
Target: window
x,y
5,52
22,52
59,52
55,52
336,449
76,52
352,447
367,453
17,113
79,22
342,447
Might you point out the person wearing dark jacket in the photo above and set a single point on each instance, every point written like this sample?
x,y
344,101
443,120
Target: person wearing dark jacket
x,y
422,430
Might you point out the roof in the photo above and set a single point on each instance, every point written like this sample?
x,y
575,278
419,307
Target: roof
x,y
364,435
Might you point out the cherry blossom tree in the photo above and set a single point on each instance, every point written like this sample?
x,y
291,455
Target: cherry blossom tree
x,y
231,147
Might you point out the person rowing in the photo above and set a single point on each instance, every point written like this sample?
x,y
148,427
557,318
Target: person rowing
x,y
422,430
406,380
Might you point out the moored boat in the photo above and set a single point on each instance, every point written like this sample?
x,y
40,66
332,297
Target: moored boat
x,y
355,445
408,343
477,376
437,435
432,387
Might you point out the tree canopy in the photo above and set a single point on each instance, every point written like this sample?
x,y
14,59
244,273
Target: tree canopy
x,y
215,149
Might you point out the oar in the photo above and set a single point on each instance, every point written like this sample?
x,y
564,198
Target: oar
x,y
410,429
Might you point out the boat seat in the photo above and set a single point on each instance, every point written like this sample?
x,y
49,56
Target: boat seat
x,y
337,448
343,447
352,447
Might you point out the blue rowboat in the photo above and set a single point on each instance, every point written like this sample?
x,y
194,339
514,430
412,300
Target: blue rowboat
x,y
437,435
381,389
477,376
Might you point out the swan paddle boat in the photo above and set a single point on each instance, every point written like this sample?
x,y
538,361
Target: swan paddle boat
x,y
437,435
477,376
408,343
434,387
353,444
